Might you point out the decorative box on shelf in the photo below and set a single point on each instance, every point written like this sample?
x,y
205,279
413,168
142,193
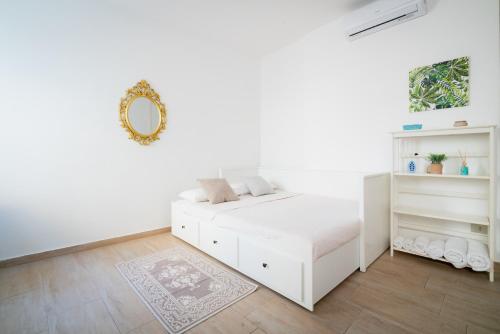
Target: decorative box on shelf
x,y
408,127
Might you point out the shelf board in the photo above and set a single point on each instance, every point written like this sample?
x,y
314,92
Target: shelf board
x,y
445,232
470,219
452,176
443,132
448,155
443,193
442,259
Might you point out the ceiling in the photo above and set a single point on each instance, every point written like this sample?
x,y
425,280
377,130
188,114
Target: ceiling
x,y
256,27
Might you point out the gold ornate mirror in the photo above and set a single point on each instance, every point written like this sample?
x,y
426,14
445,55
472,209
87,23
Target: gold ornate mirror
x,y
142,113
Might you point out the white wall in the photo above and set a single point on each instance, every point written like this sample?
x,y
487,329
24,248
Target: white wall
x,y
68,172
329,103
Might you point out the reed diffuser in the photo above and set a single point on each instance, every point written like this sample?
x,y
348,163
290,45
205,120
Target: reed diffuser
x,y
464,169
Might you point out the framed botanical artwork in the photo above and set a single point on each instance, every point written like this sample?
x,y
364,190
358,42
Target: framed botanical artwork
x,y
440,86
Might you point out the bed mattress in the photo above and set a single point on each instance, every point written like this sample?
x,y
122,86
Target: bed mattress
x,y
287,220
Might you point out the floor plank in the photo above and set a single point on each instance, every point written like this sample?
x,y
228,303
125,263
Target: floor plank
x,y
227,321
262,296
406,274
153,327
408,289
125,307
100,265
19,279
66,284
463,289
336,315
482,315
258,331
23,314
473,329
398,309
282,316
90,318
367,323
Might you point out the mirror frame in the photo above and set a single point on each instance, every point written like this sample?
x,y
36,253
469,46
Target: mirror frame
x,y
142,89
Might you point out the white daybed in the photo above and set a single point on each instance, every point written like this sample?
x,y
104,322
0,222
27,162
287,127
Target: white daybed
x,y
298,244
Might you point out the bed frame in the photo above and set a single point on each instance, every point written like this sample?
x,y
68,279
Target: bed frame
x,y
299,278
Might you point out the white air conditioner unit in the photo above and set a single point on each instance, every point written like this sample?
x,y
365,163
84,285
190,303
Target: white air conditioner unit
x,y
382,14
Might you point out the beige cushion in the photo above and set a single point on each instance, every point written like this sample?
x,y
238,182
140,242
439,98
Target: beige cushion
x,y
218,190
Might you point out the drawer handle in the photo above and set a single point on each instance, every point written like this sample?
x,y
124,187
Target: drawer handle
x,y
215,242
183,226
264,265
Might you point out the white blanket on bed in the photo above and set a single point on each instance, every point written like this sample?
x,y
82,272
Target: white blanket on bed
x,y
323,222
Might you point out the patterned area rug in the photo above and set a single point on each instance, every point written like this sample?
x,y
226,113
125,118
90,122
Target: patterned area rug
x,y
182,288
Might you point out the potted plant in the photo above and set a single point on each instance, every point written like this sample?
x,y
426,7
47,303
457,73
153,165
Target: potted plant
x,y
436,166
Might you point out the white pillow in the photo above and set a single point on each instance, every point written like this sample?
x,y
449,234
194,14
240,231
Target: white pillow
x,y
194,195
200,195
240,188
258,186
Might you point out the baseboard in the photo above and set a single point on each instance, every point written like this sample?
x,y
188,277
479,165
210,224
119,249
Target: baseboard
x,y
78,248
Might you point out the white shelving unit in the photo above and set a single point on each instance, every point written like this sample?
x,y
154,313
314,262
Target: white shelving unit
x,y
453,176
450,204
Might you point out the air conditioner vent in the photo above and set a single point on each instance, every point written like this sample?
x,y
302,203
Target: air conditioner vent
x,y
381,15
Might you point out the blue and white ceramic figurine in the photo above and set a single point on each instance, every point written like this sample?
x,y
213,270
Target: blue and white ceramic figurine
x,y
412,165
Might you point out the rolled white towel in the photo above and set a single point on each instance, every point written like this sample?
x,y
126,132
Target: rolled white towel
x,y
398,242
435,249
455,251
477,256
408,244
420,244
460,265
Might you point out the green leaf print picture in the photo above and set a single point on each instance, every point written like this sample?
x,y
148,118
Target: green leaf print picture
x,y
440,86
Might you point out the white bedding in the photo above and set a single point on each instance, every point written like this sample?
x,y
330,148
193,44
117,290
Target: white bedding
x,y
321,223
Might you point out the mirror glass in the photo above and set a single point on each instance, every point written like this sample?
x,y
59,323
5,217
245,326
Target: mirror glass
x,y
143,115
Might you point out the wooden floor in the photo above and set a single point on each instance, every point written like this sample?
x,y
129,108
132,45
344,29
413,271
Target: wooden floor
x,y
83,293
